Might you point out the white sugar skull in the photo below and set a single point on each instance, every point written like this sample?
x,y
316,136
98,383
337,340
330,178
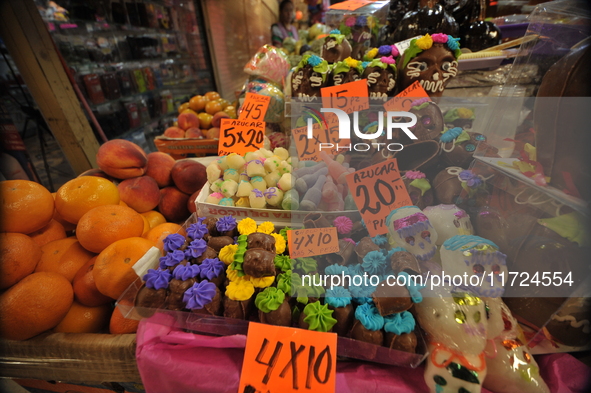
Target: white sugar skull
x,y
410,229
448,221
511,367
455,323
478,261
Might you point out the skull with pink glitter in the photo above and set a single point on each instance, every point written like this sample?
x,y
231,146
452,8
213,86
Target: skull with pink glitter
x,y
410,229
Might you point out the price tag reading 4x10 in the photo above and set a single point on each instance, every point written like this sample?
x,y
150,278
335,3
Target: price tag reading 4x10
x,y
240,136
312,241
284,360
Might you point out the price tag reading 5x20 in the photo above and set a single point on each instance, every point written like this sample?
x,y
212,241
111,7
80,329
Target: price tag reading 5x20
x,y
240,136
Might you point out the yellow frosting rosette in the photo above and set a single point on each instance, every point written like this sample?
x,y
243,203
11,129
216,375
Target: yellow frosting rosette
x,y
280,243
262,282
246,226
425,42
240,290
266,227
226,254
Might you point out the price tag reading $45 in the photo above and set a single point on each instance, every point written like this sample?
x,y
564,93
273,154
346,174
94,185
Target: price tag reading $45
x,y
254,107
312,241
377,190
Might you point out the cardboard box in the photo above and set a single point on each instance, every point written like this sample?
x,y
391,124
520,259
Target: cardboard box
x,y
186,147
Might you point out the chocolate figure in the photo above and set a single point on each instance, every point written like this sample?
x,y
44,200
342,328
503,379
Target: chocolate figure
x,y
309,77
432,60
336,47
381,78
348,70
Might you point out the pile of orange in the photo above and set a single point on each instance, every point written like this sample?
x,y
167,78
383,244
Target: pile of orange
x,y
65,258
206,106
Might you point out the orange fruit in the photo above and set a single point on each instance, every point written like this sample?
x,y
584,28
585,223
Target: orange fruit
x,y
157,234
50,232
189,110
212,95
213,107
230,111
146,225
19,256
104,225
81,194
35,304
197,103
68,226
183,106
25,206
84,319
85,291
224,103
154,218
121,203
64,256
113,270
121,325
205,120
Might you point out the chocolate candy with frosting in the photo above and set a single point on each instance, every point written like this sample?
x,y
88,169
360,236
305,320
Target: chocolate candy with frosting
x,y
447,186
309,76
208,253
204,298
259,263
336,47
429,121
399,332
419,189
365,246
404,261
219,242
381,74
406,342
431,60
237,309
273,307
368,325
458,150
210,223
317,317
184,276
348,70
390,298
261,240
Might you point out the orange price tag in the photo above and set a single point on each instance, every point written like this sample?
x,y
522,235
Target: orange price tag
x,y
325,137
349,97
312,241
403,100
350,5
279,359
254,107
377,190
240,136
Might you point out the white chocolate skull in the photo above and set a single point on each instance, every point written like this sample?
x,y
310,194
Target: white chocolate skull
x,y
410,229
478,261
448,221
511,367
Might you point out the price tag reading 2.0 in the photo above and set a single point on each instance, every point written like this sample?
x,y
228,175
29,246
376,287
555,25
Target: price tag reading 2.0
x,y
312,241
254,107
240,136
377,190
284,360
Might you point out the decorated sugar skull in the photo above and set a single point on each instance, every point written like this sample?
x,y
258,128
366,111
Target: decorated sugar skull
x,y
448,221
410,229
348,70
510,366
432,60
336,47
455,323
480,259
381,72
309,77
419,188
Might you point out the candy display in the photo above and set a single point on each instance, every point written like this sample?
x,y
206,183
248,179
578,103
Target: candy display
x,y
309,77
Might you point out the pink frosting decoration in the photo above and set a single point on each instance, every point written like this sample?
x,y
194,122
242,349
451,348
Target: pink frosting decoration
x,y
412,175
461,214
409,220
419,101
216,195
350,21
395,51
343,224
440,38
388,60
348,239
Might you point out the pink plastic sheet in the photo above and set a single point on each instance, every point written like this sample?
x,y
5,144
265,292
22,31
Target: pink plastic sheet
x,y
171,360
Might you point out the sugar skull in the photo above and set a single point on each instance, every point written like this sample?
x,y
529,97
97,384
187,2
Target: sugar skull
x,y
309,77
336,47
455,323
477,259
510,366
432,60
381,77
348,70
448,221
410,229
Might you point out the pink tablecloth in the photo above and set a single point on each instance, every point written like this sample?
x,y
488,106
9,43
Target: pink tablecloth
x,y
170,360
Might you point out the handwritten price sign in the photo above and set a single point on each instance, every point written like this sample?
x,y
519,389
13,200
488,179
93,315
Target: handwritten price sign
x,y
405,98
349,97
240,136
350,5
377,190
325,137
313,241
284,360
254,107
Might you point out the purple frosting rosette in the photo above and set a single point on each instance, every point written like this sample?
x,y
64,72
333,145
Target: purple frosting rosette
x,y
199,295
197,231
171,259
157,279
174,241
196,248
185,272
211,268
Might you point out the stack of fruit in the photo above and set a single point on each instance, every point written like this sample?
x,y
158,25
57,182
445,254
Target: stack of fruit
x,y
200,117
65,257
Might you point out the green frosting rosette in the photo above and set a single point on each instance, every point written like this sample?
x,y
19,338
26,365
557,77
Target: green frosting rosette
x,y
239,255
319,317
283,263
287,282
306,264
336,34
269,299
317,63
308,288
346,66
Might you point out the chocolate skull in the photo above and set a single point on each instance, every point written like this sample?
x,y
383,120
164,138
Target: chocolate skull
x,y
380,82
344,77
461,154
333,51
419,190
361,41
432,68
429,123
306,83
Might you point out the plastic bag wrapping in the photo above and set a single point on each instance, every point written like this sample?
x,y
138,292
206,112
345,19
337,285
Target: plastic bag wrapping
x,y
171,360
269,62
